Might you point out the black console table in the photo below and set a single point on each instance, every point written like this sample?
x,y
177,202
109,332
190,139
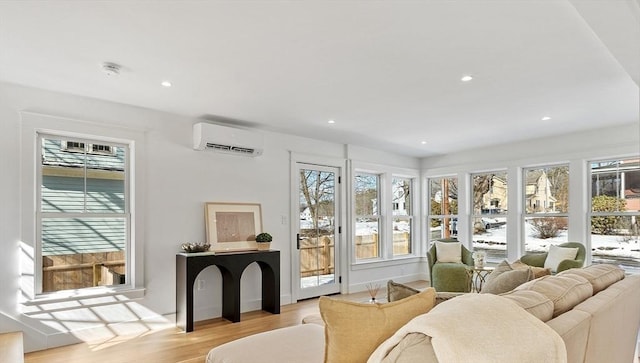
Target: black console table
x,y
231,265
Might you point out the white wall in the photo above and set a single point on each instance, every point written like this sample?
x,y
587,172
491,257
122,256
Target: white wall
x,y
177,181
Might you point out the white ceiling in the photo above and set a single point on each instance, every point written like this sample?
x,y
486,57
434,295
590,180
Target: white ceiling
x,y
388,72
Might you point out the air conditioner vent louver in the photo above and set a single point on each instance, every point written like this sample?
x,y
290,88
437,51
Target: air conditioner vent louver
x,y
226,139
243,150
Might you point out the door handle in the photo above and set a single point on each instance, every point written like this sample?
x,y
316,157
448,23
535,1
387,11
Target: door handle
x,y
298,241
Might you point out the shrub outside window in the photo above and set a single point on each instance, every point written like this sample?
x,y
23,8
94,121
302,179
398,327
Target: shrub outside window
x,y
615,212
489,219
546,206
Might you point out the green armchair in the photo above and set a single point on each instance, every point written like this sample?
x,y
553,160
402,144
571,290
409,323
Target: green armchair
x,y
538,259
449,276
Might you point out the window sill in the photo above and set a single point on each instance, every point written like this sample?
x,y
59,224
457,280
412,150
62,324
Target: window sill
x,y
375,263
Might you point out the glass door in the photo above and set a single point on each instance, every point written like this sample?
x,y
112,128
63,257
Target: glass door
x,y
318,236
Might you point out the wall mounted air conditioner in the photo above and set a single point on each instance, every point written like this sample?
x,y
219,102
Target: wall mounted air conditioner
x,y
227,140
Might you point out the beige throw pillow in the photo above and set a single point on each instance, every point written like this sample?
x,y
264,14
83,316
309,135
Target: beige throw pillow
x,y
354,330
397,291
507,281
449,252
558,254
502,267
537,271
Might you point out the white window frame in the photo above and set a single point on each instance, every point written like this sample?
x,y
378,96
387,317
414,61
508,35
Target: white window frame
x,y
40,215
526,215
440,216
31,272
385,208
504,215
379,216
591,213
409,217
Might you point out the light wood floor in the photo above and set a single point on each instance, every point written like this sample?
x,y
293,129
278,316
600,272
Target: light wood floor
x,y
173,345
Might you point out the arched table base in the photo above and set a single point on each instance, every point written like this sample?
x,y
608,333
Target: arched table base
x,y
231,265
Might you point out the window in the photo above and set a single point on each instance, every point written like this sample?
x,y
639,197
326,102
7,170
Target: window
x,y
442,221
402,215
615,212
489,219
83,214
546,206
367,213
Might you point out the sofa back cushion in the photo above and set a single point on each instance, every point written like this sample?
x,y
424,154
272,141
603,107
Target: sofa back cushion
x,y
600,276
533,302
564,291
354,330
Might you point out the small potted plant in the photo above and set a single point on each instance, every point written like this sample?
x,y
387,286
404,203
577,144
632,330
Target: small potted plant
x,y
264,241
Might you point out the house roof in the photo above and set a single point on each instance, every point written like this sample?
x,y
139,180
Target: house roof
x,y
54,155
388,72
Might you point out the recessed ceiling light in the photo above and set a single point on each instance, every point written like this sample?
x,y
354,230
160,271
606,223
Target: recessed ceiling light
x,y
166,84
546,118
423,142
466,78
331,122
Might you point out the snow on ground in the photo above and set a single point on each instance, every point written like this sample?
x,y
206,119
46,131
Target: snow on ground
x,y
494,240
618,246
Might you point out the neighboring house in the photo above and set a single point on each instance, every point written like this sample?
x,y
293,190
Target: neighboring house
x,y
399,202
606,177
538,193
495,200
72,244
305,214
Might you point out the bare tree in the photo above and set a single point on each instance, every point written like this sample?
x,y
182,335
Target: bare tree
x,y
317,188
481,186
559,180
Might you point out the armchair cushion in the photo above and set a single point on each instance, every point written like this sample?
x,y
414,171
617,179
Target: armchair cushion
x,y
451,277
449,252
558,254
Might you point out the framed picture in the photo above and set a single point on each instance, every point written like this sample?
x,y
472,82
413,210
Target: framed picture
x,y
232,226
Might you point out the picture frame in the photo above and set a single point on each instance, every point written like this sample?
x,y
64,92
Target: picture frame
x,y
232,227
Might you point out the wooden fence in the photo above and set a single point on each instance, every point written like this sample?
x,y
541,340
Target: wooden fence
x,y
317,253
65,272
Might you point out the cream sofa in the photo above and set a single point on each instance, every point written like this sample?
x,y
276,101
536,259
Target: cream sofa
x,y
593,312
